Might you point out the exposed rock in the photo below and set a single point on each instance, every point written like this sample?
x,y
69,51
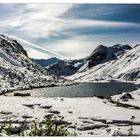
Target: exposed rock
x,y
65,67
119,49
97,56
27,117
37,104
62,68
83,118
22,94
46,106
100,120
125,96
132,75
70,112
29,105
88,121
101,97
106,53
11,45
54,111
6,113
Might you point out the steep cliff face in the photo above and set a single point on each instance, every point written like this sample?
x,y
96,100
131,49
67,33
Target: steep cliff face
x,y
11,47
97,56
102,54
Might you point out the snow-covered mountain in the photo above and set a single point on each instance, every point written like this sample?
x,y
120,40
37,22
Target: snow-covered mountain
x,y
46,62
100,55
123,64
61,67
65,67
118,61
18,71
114,62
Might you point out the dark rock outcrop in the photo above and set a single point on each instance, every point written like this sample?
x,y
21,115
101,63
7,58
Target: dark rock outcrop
x,y
125,96
65,67
22,94
11,45
103,54
97,56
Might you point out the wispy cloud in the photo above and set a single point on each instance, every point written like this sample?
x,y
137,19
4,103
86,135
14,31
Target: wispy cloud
x,y
63,29
33,48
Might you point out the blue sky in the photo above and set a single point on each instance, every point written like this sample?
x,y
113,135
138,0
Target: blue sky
x,y
71,30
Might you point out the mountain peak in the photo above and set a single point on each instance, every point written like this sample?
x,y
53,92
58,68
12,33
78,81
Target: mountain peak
x,y
97,55
9,46
120,46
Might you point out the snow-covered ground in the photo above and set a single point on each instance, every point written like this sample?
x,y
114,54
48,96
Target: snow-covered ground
x,y
86,116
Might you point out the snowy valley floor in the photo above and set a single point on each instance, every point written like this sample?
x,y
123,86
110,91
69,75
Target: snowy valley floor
x,y
85,116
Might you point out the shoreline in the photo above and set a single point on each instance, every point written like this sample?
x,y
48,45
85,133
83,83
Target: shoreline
x,y
75,83
33,87
86,115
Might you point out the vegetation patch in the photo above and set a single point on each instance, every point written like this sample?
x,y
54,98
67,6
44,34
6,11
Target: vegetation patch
x,y
48,127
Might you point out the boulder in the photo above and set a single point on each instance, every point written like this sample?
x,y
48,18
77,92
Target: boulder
x,y
46,106
101,97
22,94
29,105
126,96
54,111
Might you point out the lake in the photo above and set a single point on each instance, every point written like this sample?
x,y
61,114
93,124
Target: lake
x,y
86,90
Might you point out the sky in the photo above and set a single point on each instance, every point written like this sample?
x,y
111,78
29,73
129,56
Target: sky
x,y
70,31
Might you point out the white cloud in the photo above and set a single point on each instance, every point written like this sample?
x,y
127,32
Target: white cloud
x,y
33,53
82,46
73,48
38,19
41,50
43,20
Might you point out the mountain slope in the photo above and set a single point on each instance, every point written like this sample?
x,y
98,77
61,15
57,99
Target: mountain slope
x,y
101,54
46,62
17,71
125,66
65,67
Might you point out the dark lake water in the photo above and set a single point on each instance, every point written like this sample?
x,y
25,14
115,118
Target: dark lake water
x,y
86,90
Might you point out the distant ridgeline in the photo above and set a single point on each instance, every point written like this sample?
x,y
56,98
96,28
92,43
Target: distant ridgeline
x,y
118,61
